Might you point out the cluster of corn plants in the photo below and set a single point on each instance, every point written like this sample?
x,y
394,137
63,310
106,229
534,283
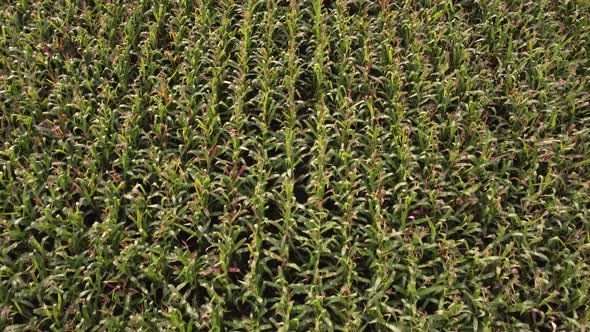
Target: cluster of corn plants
x,y
294,165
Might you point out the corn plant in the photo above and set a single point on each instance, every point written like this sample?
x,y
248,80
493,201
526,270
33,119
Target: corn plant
x,y
295,165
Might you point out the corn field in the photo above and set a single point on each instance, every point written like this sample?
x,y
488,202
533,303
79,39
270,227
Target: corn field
x,y
294,165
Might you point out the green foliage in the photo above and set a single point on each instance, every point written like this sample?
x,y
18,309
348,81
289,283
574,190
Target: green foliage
x,y
294,165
